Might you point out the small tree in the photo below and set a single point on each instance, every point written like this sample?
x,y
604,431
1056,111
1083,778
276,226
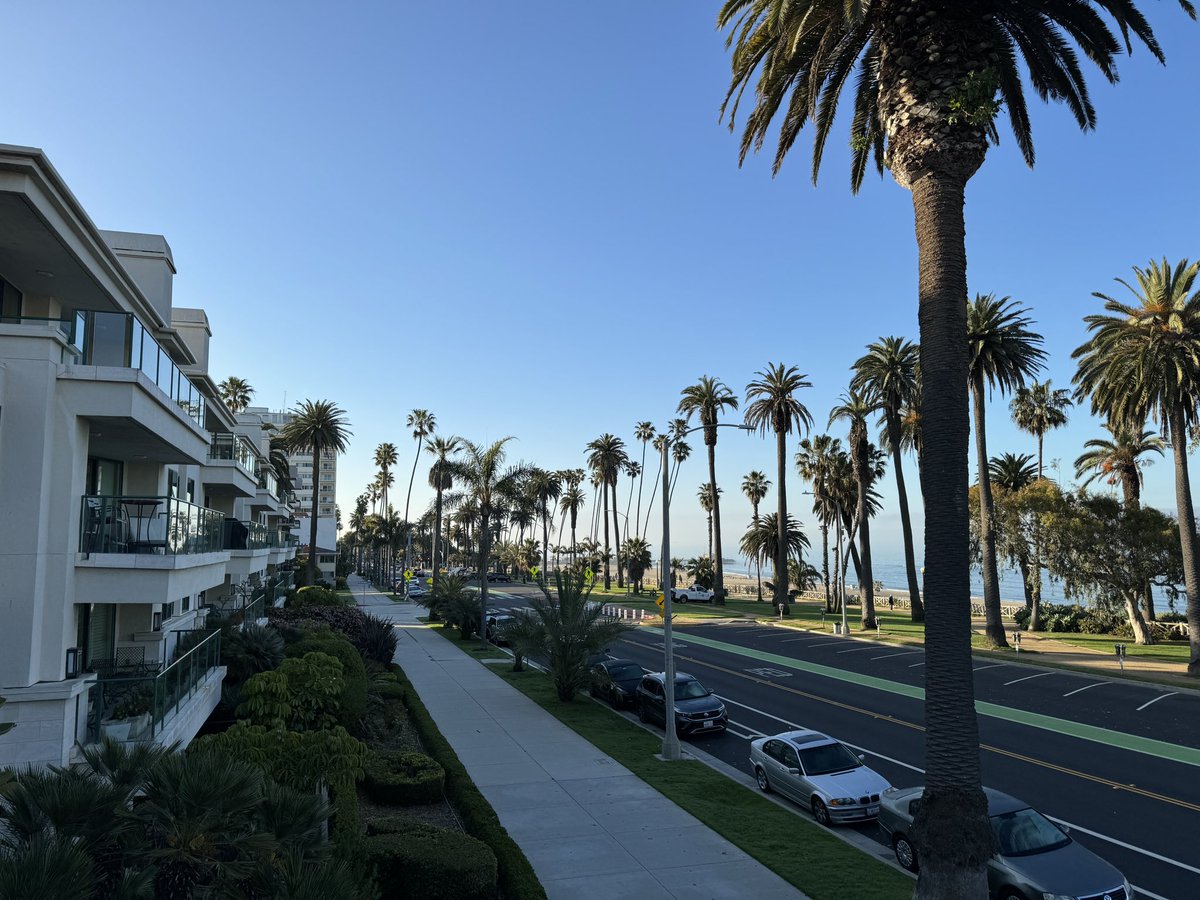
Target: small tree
x,y
635,555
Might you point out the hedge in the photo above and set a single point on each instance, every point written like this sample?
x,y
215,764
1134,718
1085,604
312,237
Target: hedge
x,y
388,690
517,878
354,673
421,862
402,779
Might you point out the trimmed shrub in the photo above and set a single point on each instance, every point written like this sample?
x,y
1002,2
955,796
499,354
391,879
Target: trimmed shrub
x,y
388,690
353,698
316,595
403,779
339,583
422,862
377,640
346,619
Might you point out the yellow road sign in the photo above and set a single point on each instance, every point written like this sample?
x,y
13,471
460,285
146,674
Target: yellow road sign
x,y
408,574
658,601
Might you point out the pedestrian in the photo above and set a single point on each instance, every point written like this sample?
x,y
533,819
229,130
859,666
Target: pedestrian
x,y
891,603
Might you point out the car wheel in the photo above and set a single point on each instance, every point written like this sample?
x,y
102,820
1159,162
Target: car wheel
x,y
642,713
1012,894
614,700
761,777
820,812
905,854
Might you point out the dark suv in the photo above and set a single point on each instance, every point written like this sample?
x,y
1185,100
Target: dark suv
x,y
696,708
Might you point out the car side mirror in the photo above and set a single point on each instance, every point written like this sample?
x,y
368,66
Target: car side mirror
x,y
861,758
793,772
1065,829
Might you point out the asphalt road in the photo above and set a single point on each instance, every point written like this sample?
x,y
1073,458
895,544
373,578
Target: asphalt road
x,y
1116,761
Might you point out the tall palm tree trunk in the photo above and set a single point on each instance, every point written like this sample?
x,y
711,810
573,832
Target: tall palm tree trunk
x,y
654,493
617,536
637,522
993,626
545,546
710,537
952,793
917,610
781,576
607,573
758,558
574,543
866,575
437,535
311,571
1187,537
718,565
485,551
825,562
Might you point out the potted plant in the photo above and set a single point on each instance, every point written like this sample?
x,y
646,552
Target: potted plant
x,y
130,719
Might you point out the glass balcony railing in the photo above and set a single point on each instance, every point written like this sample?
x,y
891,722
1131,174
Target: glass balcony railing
x,y
63,326
245,535
235,447
268,481
120,340
134,707
163,525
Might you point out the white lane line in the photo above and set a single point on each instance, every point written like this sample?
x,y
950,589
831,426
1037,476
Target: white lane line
x,y
858,650
827,643
1142,892
745,737
1155,700
992,666
1027,677
795,640
1080,828
751,733
914,665
890,655
1085,687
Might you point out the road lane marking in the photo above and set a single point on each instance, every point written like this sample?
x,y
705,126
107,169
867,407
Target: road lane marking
x,y
1155,700
1085,687
1027,677
858,649
992,666
1112,840
914,665
890,655
1081,730
827,643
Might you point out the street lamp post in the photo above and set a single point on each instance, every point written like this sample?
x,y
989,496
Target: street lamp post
x,y
670,746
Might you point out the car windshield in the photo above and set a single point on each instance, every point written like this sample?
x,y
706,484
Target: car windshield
x,y
828,758
1026,832
621,673
689,690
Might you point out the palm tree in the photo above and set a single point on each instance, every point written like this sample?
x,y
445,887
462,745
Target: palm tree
x,y
607,457
707,502
759,543
636,554
545,487
385,458
1143,361
680,449
423,423
1010,474
771,404
814,462
441,480
658,442
570,503
277,459
1118,459
1004,353
925,102
644,432
707,398
889,372
633,470
855,408
754,486
236,392
1038,408
318,426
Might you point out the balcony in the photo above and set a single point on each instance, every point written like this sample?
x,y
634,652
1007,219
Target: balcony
x,y
161,708
268,481
234,447
232,466
248,546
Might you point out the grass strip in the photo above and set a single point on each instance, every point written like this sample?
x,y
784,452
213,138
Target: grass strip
x,y
517,878
798,850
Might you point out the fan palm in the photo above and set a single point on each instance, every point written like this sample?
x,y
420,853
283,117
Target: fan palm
x,y
482,472
707,398
759,542
442,449
931,77
318,426
606,458
1013,472
680,451
1037,409
236,392
1143,361
855,408
814,463
889,371
754,486
636,554
771,404
1004,353
644,432
571,502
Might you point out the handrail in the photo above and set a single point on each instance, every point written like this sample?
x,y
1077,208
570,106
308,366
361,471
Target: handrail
x,y
148,524
234,447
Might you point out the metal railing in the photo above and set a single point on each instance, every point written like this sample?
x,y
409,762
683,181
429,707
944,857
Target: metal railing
x,y
268,481
245,535
136,707
164,525
235,447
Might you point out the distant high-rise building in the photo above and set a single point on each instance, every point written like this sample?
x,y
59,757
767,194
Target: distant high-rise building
x,y
301,465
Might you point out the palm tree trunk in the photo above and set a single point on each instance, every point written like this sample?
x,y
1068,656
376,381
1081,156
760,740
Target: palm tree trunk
x,y
825,562
953,810
617,536
607,573
311,573
781,578
710,537
637,522
718,565
574,543
866,575
437,534
914,586
408,499
485,549
1187,537
545,546
758,558
654,493
993,626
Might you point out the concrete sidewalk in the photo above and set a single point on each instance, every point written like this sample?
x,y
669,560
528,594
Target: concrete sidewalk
x,y
589,826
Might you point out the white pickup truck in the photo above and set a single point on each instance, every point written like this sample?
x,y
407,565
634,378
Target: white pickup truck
x,y
695,594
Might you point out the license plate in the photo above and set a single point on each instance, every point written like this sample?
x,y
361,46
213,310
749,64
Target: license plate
x,y
872,810
708,723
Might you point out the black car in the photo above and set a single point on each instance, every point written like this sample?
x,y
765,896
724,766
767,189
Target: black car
x,y
696,708
495,627
498,576
615,680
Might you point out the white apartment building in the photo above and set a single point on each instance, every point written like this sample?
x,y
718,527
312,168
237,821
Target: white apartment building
x,y
132,502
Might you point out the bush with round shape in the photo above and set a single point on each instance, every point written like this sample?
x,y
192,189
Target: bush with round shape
x,y
421,862
314,595
403,779
346,619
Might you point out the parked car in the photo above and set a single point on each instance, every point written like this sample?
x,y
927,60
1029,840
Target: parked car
x,y
615,680
1036,858
418,589
695,593
696,709
496,625
820,773
498,576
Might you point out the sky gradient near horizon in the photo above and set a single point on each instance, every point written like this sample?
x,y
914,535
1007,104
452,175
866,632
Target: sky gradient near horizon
x,y
528,219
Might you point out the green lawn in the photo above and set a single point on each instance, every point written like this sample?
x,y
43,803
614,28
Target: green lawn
x,y
1167,651
791,845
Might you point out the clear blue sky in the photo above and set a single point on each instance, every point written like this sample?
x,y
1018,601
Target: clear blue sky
x,y
527,218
